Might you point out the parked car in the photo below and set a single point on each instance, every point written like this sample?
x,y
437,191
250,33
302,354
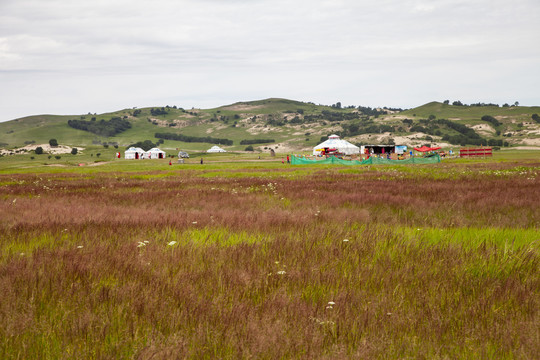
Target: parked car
x,y
183,155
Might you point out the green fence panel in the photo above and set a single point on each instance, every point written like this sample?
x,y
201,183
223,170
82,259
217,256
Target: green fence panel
x,y
371,161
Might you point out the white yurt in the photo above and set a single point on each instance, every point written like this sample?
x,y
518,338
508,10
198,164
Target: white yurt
x,y
134,153
215,149
155,153
334,142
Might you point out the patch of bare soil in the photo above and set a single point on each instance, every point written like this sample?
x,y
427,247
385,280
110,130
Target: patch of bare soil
x,y
523,148
260,129
99,163
241,107
178,123
56,150
286,147
531,142
484,129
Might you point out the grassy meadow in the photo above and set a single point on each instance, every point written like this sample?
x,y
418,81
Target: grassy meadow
x,y
240,258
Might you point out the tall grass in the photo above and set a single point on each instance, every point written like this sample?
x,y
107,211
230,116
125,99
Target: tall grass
x,y
323,264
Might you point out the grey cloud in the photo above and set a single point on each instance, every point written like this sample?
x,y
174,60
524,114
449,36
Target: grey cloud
x,y
308,50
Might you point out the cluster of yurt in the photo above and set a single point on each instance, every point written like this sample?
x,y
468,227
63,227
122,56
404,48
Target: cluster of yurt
x,y
138,153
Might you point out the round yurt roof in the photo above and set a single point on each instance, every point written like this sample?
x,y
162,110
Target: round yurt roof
x,y
135,149
153,150
215,149
334,142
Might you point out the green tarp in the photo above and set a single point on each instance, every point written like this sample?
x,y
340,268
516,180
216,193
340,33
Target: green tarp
x,y
371,161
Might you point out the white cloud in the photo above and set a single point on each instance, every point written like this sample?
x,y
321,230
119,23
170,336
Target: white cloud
x,y
207,53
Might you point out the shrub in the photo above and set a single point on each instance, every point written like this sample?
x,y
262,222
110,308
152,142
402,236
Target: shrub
x,y
187,138
104,128
249,148
256,141
491,119
53,142
145,145
57,157
74,151
39,150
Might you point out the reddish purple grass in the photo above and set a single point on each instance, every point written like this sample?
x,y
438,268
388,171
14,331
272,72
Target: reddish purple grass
x,y
394,298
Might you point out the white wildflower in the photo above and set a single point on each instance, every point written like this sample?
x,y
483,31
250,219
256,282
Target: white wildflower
x,y
329,307
281,272
79,247
331,303
194,222
171,243
345,240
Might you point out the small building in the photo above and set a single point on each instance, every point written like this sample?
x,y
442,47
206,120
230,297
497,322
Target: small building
x,y
334,142
155,153
215,149
134,153
383,149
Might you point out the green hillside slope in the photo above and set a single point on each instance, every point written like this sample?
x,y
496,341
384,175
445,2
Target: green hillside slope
x,y
291,125
445,111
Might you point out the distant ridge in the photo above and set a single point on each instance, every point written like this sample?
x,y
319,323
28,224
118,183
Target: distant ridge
x,y
293,125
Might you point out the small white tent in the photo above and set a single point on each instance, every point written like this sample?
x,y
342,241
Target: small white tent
x,y
134,153
334,142
155,153
215,149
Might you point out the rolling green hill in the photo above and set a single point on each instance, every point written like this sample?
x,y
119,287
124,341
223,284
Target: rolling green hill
x,y
292,125
446,111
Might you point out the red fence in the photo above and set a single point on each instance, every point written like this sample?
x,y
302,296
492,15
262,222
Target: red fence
x,y
475,152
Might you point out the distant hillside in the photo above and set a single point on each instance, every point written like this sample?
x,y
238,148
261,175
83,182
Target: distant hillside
x,y
447,111
285,125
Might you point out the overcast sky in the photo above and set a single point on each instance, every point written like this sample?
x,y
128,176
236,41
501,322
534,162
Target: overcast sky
x,y
75,56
